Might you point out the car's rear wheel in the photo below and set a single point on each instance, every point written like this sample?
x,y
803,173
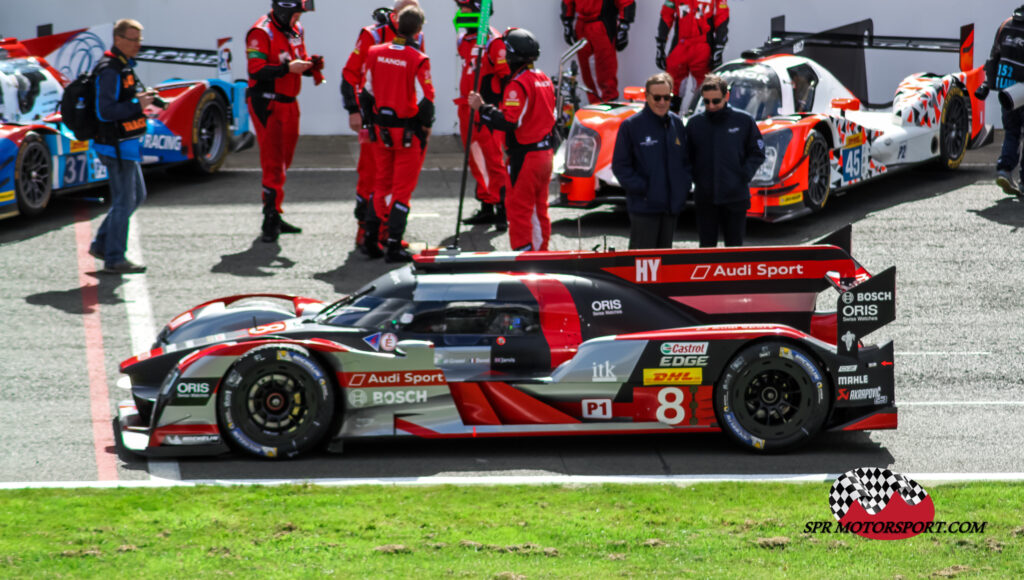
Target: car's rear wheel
x,y
210,140
773,396
819,171
33,175
955,128
276,402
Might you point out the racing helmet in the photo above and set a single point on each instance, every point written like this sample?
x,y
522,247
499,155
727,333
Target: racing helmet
x,y
1018,13
521,46
283,9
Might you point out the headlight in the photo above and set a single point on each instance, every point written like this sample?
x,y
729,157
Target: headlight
x,y
581,151
775,145
165,389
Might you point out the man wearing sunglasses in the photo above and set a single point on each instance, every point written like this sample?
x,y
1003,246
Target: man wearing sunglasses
x,y
652,164
726,149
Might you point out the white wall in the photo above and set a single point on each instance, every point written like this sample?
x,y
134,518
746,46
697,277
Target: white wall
x,y
332,30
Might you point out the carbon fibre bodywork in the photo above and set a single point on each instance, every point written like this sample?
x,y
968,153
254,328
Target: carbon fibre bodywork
x,y
526,344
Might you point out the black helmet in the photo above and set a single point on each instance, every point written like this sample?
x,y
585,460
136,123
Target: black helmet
x,y
521,47
283,9
1018,14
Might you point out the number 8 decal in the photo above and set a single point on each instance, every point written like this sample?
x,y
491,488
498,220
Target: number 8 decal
x,y
670,407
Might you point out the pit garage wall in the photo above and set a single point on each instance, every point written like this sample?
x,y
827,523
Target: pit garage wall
x,y
332,29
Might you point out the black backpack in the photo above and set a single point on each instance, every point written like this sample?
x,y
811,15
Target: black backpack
x,y
78,107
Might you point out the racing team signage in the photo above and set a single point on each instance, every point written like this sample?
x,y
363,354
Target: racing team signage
x,y
865,308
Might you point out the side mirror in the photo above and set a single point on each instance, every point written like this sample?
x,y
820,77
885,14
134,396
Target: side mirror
x,y
846,104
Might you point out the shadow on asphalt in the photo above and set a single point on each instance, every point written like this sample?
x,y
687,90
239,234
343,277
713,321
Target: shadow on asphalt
x,y
258,261
70,300
1008,211
655,455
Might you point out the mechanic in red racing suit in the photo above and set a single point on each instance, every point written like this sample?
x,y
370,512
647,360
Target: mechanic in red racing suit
x,y
401,126
605,25
382,31
702,29
277,60
527,115
485,156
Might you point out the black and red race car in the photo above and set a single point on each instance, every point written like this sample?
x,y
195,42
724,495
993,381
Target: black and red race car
x,y
528,344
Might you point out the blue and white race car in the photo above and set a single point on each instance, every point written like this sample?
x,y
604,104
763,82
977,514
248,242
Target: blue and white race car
x,y
203,121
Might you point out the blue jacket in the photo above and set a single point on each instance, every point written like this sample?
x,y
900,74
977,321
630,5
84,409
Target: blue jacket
x,y
652,163
726,150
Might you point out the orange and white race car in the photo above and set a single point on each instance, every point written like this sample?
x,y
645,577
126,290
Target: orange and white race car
x,y
821,135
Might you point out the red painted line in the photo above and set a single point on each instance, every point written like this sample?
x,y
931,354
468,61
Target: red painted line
x,y
99,400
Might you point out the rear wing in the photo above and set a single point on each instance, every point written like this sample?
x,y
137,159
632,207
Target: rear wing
x,y
841,49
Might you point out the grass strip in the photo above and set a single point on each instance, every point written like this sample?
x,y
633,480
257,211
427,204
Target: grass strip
x,y
749,530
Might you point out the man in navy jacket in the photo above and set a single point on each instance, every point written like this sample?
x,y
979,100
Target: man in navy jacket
x,y
652,164
726,150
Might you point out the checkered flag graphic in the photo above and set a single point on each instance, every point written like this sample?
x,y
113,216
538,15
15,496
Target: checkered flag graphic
x,y
873,488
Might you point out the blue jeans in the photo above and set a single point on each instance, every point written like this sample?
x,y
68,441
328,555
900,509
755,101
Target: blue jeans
x,y
1010,157
127,192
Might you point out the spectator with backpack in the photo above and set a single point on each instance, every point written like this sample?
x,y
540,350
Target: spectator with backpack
x,y
120,100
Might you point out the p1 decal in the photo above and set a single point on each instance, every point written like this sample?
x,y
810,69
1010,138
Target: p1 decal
x,y
880,504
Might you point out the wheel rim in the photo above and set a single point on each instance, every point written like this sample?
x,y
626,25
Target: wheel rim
x,y
955,129
277,404
211,133
818,172
35,183
776,402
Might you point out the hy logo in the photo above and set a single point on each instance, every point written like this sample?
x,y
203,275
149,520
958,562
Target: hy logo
x,y
868,501
647,269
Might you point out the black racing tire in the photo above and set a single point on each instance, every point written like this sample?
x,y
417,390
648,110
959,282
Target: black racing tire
x,y
33,175
276,402
954,128
819,171
772,397
210,133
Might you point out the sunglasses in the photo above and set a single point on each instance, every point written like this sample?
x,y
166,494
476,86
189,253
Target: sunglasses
x,y
712,101
659,98
139,39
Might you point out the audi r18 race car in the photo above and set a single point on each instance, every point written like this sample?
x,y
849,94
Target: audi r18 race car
x,y
808,93
529,344
39,156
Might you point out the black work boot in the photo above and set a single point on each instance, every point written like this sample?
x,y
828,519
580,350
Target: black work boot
x,y
500,219
484,215
287,228
271,225
370,246
396,252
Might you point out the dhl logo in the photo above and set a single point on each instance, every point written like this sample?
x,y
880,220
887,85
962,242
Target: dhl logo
x,y
687,376
79,146
855,140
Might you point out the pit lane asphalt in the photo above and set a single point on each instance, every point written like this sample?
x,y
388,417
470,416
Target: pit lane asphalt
x,y
956,240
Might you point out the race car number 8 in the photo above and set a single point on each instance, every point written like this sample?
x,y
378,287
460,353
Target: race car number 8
x,y
670,406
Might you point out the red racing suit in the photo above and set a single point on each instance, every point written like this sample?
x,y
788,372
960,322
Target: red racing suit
x,y
396,75
269,47
485,156
527,115
353,77
598,60
701,29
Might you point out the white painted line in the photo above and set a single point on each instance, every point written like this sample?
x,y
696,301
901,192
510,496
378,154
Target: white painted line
x,y
143,333
960,404
516,480
944,353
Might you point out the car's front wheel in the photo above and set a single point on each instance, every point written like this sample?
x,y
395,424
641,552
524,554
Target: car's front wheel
x,y
773,396
276,402
819,171
210,133
955,128
33,175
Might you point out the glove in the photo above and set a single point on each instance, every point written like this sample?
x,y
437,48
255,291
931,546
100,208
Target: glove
x,y
568,32
982,92
622,36
317,69
716,54
659,59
